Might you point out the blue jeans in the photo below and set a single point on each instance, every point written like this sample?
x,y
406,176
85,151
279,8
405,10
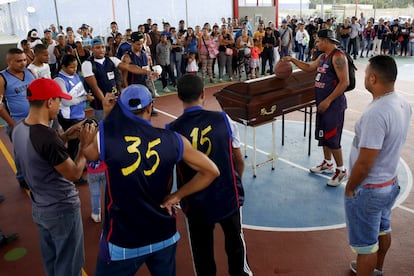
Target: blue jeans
x,y
159,263
412,48
175,62
284,52
368,215
301,52
61,241
95,180
345,43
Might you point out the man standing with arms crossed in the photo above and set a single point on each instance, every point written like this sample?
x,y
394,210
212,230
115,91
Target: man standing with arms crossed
x,y
373,187
330,83
139,225
217,136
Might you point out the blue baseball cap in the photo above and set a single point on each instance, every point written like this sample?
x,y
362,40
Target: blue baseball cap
x,y
136,97
96,41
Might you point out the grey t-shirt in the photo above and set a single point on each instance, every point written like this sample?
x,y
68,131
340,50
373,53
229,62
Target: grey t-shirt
x,y
285,35
39,149
383,126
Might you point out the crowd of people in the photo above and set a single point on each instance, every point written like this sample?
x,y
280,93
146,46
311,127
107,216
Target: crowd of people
x,y
47,83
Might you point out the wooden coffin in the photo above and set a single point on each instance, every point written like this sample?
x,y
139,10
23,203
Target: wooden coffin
x,y
259,101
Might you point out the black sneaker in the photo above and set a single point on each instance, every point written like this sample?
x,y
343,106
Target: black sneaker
x,y
6,239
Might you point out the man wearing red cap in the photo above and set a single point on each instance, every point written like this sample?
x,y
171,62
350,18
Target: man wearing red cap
x,y
49,172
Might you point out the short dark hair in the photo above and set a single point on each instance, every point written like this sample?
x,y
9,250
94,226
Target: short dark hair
x,y
14,51
114,23
23,42
189,88
39,48
67,59
385,67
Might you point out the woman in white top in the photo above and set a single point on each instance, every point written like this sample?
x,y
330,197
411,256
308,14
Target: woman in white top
x,y
244,43
302,37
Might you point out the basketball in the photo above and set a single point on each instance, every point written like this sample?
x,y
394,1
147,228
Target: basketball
x,y
283,70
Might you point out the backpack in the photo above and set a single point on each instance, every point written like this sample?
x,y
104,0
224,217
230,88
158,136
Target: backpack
x,y
351,69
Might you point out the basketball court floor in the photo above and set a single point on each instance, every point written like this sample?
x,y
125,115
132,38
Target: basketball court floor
x,y
293,223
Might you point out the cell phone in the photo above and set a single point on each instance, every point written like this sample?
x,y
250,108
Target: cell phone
x,y
91,121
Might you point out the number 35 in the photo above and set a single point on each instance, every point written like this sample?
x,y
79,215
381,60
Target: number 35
x,y
133,148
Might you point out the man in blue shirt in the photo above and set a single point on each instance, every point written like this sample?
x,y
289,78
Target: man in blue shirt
x,y
139,224
13,103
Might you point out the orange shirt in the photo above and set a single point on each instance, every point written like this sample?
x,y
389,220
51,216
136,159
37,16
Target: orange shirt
x,y
255,52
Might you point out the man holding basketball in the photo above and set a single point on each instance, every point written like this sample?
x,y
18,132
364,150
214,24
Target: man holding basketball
x,y
330,83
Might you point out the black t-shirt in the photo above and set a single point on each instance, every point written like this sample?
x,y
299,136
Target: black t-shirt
x,y
48,144
345,28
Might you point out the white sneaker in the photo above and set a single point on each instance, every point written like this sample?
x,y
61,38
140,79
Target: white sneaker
x,y
353,267
166,90
156,95
96,217
324,167
338,178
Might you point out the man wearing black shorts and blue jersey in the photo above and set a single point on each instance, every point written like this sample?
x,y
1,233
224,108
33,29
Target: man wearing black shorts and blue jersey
x,y
140,225
217,136
330,83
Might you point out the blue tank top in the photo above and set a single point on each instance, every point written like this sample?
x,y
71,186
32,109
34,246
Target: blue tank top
x,y
15,94
140,170
192,45
325,83
74,87
210,133
140,61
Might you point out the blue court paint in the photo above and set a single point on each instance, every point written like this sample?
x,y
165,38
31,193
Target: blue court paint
x,y
290,198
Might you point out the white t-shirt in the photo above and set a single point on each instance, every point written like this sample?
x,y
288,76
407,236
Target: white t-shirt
x,y
40,71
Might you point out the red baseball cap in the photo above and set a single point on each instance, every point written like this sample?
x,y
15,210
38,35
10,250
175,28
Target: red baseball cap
x,y
44,89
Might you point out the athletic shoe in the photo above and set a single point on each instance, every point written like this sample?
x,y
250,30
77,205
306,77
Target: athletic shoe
x,y
338,178
96,217
156,95
324,167
353,267
166,89
6,239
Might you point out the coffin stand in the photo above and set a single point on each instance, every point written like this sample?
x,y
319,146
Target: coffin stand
x,y
260,101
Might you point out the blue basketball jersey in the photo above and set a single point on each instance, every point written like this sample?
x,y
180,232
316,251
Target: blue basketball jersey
x,y
140,161
210,133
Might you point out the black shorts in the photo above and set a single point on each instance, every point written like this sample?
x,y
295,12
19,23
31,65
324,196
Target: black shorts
x,y
328,130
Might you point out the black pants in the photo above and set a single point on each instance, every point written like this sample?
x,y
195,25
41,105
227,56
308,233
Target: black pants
x,y
73,145
267,55
353,44
166,69
202,244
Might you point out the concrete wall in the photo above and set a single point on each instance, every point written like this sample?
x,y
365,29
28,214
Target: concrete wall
x,y
3,50
254,13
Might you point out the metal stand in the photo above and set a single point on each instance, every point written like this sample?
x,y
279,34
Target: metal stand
x,y
306,112
271,158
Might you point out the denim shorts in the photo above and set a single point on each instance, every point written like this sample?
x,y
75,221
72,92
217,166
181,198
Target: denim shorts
x,y
368,215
